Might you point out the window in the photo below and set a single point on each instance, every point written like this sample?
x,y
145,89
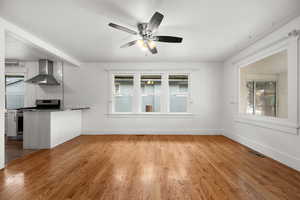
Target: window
x,y
178,93
123,93
15,90
150,87
154,92
263,87
262,98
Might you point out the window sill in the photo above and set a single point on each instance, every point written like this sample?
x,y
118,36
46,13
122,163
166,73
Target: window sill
x,y
150,115
278,124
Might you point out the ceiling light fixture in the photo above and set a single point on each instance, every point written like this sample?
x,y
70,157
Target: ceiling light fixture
x,y
146,32
152,44
143,45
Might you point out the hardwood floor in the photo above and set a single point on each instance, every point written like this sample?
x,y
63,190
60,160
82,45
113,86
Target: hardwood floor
x,y
14,149
148,167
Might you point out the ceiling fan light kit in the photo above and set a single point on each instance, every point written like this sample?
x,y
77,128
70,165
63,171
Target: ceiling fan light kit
x,y
146,31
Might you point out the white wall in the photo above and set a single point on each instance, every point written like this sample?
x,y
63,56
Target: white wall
x,y
276,144
89,85
2,96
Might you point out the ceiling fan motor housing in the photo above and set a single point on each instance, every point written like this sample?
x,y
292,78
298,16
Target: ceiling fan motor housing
x,y
144,31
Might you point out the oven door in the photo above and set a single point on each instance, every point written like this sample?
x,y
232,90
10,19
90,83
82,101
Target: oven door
x,y
19,119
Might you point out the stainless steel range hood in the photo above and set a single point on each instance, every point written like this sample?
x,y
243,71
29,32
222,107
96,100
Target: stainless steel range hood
x,y
45,76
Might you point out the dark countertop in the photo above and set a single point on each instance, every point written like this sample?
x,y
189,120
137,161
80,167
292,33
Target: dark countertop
x,y
57,110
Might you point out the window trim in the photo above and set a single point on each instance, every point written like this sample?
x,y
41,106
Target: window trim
x,y
151,115
291,124
136,107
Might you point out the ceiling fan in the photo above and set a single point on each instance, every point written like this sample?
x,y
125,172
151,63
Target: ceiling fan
x,y
146,31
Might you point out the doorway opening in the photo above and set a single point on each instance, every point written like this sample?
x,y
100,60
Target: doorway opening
x,y
14,101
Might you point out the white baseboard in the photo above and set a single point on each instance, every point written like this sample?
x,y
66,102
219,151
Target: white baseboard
x,y
282,157
156,132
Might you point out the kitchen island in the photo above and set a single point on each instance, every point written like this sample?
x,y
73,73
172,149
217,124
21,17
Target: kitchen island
x,y
45,129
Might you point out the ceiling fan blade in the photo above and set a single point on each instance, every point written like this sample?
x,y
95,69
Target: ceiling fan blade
x,y
155,21
129,44
153,50
169,39
122,28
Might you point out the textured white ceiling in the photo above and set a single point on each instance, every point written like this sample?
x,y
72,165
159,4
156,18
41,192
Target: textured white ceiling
x,y
212,29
